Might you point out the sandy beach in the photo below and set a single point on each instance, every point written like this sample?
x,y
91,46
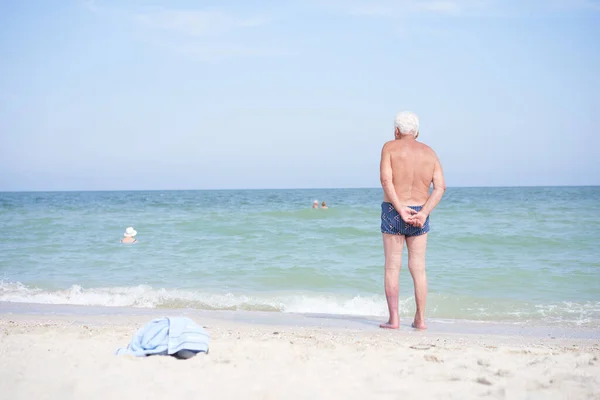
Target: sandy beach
x,y
70,355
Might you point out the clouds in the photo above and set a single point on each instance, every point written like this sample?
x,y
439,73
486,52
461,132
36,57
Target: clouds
x,y
406,8
208,33
390,8
457,8
246,30
197,23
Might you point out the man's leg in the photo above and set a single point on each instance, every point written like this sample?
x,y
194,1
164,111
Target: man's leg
x,y
417,246
392,248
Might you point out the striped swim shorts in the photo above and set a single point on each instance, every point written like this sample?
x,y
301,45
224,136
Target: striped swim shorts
x,y
392,223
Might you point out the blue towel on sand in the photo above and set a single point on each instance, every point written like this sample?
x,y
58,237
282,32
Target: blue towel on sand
x,y
178,336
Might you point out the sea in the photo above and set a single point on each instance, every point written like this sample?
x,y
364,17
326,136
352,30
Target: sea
x,y
515,255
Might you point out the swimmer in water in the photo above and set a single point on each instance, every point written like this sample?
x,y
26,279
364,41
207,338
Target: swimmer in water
x,y
129,236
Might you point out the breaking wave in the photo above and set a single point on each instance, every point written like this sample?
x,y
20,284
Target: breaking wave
x,y
586,314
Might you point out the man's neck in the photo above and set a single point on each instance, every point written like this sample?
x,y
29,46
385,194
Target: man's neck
x,y
408,136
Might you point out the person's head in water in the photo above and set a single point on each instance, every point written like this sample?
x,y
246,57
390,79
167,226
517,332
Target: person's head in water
x,y
129,235
324,205
315,204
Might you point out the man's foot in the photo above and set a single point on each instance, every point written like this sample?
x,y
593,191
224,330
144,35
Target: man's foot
x,y
390,325
419,324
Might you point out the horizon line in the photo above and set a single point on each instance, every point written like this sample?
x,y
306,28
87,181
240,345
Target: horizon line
x,y
287,189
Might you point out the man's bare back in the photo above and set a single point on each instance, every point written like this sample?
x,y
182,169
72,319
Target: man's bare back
x,y
408,168
413,166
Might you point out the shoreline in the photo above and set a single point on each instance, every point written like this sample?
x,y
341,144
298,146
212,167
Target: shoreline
x,y
104,315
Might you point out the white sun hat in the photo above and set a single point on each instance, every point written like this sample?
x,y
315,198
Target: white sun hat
x,y
316,202
130,232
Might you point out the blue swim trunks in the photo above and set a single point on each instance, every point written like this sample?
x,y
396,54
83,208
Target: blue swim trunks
x,y
392,223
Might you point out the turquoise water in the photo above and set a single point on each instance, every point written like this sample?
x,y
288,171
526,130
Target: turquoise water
x,y
494,254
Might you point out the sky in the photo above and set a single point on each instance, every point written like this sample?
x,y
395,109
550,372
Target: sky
x,y
157,94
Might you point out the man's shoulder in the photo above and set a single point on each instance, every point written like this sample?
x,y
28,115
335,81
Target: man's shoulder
x,y
390,144
427,149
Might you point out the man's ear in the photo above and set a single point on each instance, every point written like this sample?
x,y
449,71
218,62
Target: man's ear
x,y
417,135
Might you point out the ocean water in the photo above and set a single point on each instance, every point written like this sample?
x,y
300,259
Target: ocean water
x,y
514,255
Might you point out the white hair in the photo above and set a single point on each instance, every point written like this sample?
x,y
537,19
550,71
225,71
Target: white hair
x,y
407,122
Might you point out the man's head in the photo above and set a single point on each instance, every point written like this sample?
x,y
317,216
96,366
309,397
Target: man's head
x,y
406,123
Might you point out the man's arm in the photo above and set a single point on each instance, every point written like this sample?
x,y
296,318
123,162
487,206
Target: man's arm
x,y
387,183
439,187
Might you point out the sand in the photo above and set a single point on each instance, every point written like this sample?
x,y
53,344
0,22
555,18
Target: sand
x,y
71,356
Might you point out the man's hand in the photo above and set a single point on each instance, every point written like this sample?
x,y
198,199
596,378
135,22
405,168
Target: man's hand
x,y
418,219
407,213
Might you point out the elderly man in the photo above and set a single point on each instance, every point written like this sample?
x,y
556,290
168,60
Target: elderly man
x,y
408,168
